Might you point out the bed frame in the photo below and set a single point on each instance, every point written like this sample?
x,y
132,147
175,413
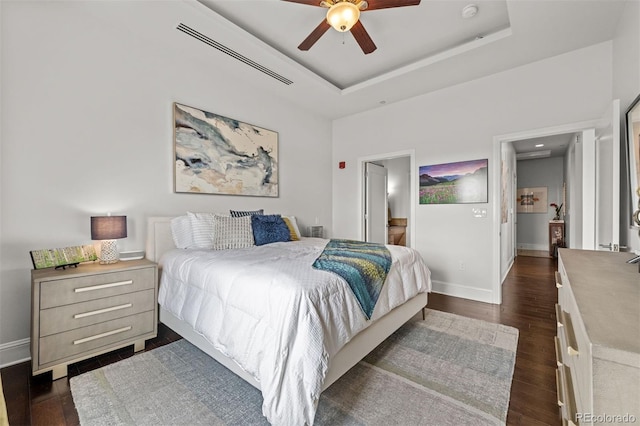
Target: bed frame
x,y
159,240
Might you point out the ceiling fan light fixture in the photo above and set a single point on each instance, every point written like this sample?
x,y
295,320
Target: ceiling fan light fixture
x,y
342,16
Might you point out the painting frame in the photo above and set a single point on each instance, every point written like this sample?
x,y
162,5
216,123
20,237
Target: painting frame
x,y
532,200
632,117
214,154
460,182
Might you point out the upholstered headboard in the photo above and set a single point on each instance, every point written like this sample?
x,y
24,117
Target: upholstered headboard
x,y
159,238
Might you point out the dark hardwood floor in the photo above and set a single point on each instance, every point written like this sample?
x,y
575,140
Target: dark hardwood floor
x,y
529,295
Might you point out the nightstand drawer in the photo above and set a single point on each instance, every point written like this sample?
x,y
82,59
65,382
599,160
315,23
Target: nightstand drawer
x,y
79,289
70,317
57,347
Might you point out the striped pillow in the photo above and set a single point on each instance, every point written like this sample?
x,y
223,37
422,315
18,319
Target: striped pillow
x,y
181,232
202,229
232,232
239,213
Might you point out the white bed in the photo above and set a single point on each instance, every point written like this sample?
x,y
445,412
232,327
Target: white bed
x,y
160,248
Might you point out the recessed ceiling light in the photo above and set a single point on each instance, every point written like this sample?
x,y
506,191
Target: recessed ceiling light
x,y
469,11
539,145
383,102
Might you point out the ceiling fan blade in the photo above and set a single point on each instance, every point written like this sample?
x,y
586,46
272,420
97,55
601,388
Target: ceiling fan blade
x,y
315,35
386,4
307,2
362,37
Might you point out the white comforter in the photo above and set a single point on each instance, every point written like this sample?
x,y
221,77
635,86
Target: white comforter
x,y
281,320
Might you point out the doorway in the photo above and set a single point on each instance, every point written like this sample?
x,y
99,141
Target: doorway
x,y
592,181
541,164
399,194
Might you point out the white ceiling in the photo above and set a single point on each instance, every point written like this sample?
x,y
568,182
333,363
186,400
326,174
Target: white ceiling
x,y
420,48
552,146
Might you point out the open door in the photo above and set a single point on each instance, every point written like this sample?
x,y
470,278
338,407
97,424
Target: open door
x,y
607,181
375,212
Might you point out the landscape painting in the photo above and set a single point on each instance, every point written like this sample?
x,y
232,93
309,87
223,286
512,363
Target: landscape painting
x,y
454,183
220,155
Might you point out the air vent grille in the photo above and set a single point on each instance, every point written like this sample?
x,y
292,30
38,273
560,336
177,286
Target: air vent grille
x,y
224,49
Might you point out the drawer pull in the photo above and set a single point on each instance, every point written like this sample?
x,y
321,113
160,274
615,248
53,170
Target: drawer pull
x,y
558,280
559,315
102,311
556,343
572,343
559,389
569,397
101,335
102,286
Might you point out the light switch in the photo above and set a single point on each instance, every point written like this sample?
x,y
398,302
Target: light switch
x,y
477,212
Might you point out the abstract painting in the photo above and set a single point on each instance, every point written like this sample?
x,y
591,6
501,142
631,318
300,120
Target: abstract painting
x,y
219,155
532,200
454,183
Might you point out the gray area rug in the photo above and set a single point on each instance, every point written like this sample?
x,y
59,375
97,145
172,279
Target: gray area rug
x,y
447,370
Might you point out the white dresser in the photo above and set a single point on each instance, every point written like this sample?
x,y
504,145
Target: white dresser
x,y
598,339
81,312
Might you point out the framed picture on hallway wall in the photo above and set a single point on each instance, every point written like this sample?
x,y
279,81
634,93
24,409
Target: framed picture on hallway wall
x,y
531,200
220,155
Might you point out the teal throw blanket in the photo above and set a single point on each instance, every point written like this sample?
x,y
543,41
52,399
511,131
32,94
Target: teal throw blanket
x,y
363,265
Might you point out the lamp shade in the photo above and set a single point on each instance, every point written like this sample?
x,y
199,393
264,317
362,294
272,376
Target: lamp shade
x,y
343,15
108,227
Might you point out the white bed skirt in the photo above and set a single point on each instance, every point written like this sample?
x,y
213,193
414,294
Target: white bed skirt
x,y
363,343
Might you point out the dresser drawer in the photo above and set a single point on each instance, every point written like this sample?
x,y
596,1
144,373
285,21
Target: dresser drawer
x,y
57,347
568,403
70,317
79,289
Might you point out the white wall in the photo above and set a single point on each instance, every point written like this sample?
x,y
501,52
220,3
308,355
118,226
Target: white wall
x,y
87,129
533,228
459,123
626,86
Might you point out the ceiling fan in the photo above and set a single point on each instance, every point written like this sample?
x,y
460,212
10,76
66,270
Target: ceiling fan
x,y
343,15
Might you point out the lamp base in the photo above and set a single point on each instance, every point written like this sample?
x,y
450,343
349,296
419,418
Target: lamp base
x,y
109,252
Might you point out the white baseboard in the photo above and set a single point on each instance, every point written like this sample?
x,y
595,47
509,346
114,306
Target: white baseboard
x,y
463,291
525,246
14,352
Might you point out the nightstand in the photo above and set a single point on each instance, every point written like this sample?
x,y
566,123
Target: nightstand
x,y
81,312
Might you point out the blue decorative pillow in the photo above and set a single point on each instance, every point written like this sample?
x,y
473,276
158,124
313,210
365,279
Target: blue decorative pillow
x,y
239,213
269,229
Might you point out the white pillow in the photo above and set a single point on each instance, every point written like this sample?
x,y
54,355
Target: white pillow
x,y
292,219
201,229
232,232
181,232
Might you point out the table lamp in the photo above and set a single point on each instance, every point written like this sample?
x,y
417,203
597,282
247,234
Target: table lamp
x,y
107,229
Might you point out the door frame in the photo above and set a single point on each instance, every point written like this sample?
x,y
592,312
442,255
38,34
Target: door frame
x,y
496,278
411,153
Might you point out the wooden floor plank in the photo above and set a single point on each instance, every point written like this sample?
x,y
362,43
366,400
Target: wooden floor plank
x,y
528,294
